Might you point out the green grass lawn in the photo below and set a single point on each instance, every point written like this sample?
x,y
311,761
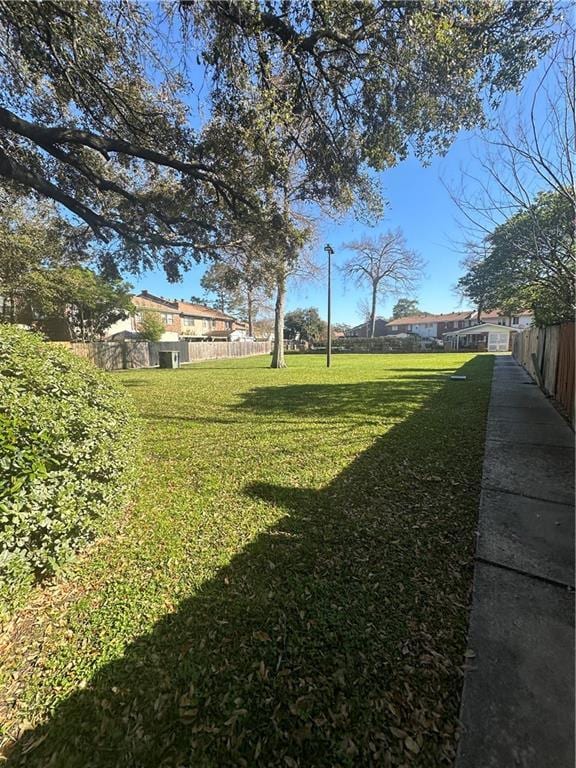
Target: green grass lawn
x,y
289,587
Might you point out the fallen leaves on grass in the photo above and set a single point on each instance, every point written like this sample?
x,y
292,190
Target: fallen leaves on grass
x,y
291,587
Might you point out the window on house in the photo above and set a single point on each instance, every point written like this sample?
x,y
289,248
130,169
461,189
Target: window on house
x,y
394,327
166,318
515,320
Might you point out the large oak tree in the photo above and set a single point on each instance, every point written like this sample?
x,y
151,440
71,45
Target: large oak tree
x,y
345,87
89,114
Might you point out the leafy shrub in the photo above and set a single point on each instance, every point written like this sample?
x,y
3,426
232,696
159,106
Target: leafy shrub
x,y
66,438
150,327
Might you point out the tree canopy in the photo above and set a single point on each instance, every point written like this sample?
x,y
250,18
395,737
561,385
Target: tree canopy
x,y
45,280
368,77
522,250
529,263
304,324
90,116
83,123
406,307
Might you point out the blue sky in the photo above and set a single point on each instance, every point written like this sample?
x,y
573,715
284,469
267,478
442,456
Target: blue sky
x,y
418,202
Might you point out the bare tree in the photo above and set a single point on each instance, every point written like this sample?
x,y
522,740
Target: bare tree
x,y
363,309
385,264
523,160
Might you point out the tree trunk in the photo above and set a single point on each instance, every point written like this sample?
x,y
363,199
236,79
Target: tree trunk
x,y
249,312
278,348
373,312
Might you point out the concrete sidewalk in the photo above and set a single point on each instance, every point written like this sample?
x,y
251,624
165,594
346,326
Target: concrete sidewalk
x,y
518,698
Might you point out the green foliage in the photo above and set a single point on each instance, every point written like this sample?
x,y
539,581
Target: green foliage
x,y
304,324
43,278
31,238
228,613
529,263
87,302
347,85
352,84
150,327
223,280
92,118
66,439
406,307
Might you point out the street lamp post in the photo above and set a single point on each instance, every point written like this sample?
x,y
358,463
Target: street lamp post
x,y
330,251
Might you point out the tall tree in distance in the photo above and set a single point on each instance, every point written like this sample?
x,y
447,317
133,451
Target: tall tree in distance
x,y
406,307
305,324
221,284
385,265
242,279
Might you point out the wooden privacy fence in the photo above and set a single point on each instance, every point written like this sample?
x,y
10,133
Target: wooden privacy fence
x,y
549,357
115,355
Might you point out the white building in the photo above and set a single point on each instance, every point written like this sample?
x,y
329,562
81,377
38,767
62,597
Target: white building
x,y
486,337
517,320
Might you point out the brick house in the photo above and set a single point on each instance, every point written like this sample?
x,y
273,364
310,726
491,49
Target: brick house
x,y
362,331
437,326
182,320
517,320
430,326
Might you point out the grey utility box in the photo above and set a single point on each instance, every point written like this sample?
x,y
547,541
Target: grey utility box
x,y
170,359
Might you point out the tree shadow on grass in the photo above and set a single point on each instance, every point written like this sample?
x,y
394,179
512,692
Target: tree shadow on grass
x,y
333,639
390,398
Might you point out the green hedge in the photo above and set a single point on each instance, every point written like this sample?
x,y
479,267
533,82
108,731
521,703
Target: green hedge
x,y
66,442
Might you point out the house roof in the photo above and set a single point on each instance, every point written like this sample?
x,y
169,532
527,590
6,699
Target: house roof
x,y
496,313
147,299
367,323
474,330
187,308
416,319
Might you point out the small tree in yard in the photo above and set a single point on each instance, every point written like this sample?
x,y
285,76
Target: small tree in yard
x,y
44,278
88,302
385,264
150,327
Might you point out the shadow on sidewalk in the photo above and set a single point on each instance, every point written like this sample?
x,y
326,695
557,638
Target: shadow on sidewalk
x,y
334,638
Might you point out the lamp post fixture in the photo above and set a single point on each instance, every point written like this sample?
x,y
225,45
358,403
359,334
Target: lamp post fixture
x,y
330,251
